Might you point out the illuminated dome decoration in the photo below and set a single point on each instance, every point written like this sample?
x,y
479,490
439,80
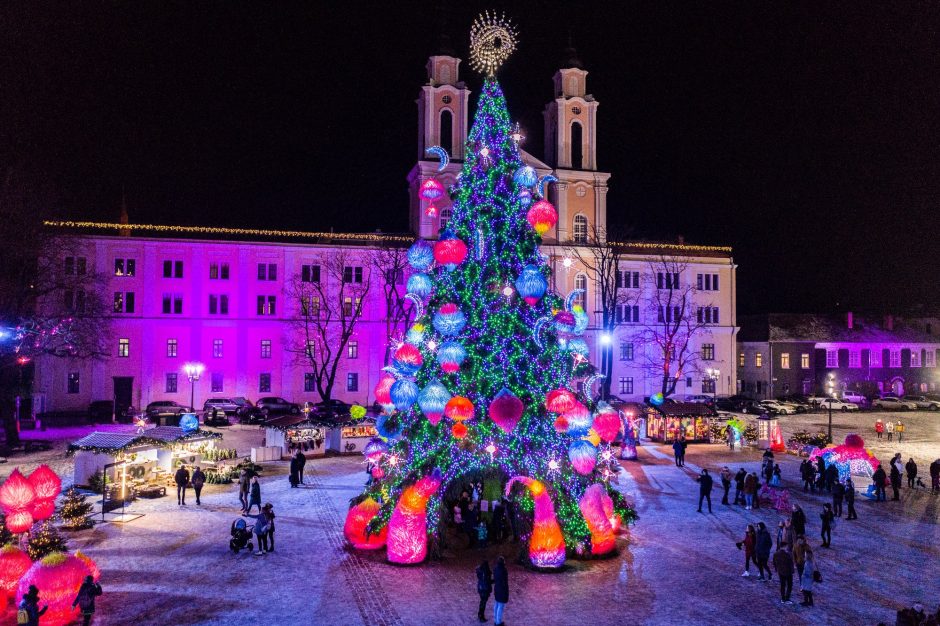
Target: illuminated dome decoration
x,y
657,399
525,197
383,391
583,457
408,359
431,190
420,285
404,393
415,334
849,458
189,422
421,255
560,401
492,40
374,449
564,322
449,320
46,484
506,409
450,251
525,176
432,400
389,426
58,577
459,409
542,216
531,284
16,496
581,319
355,530
450,356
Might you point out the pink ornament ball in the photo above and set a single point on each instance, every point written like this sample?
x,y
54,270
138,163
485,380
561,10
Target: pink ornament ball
x,y
854,441
42,509
383,389
450,251
607,425
560,401
561,424
357,519
58,577
542,216
46,483
506,409
13,564
583,457
19,521
16,492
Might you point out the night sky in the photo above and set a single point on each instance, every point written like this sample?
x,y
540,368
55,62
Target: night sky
x,y
805,135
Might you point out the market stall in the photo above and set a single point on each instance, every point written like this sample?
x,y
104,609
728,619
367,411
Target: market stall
x,y
351,438
296,432
671,421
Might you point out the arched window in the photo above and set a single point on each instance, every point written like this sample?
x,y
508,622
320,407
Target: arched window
x,y
576,151
580,282
446,214
580,229
447,130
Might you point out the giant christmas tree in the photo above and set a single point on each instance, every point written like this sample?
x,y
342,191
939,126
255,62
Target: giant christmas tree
x,y
483,381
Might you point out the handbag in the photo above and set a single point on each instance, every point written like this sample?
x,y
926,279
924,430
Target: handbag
x,y
817,577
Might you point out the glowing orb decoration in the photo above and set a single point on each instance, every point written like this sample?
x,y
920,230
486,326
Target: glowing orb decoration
x,y
554,465
189,422
542,216
433,399
17,492
459,430
416,333
13,564
441,154
449,320
19,521
408,359
374,449
597,508
58,577
657,399
546,544
525,198
42,509
420,284
560,400
356,527
431,211
404,392
450,356
389,426
490,449
564,322
431,190
383,389
531,284
408,526
506,409
421,255
561,424
450,251
581,319
459,409
525,176
607,425
357,412
583,457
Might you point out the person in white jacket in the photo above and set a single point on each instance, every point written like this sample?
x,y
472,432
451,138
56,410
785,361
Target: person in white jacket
x,y
889,428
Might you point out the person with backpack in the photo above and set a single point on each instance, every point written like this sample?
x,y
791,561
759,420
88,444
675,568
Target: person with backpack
x,y
484,587
198,480
28,611
85,600
705,490
899,429
678,451
763,544
500,590
182,481
808,474
255,497
827,517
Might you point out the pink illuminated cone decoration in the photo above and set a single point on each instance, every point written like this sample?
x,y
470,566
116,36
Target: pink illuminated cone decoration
x,y
357,519
408,527
597,509
547,544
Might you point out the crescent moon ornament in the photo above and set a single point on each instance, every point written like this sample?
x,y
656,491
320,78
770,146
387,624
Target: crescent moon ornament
x,y
589,382
492,40
419,307
441,154
481,245
569,301
537,330
540,187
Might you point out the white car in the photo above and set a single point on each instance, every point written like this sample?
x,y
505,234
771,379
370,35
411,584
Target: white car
x,y
893,404
838,405
778,408
817,400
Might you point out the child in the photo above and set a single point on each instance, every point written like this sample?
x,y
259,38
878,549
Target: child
x,y
481,534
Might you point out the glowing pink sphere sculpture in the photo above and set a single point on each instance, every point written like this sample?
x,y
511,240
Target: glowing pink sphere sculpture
x,y
58,577
560,401
13,564
542,216
607,425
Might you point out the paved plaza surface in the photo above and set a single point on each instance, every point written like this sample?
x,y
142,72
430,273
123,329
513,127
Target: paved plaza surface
x,y
676,566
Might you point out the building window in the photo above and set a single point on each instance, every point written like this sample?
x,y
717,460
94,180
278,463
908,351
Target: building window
x,y
310,307
75,265
171,382
171,348
855,358
627,313
310,273
217,348
626,351
930,358
688,382
628,280
266,305
707,315
785,360
758,360
894,356
741,359
669,314
124,347
125,267
218,304
217,379
172,269
832,358
915,357
667,280
311,348
267,271
74,379
347,307
172,304
446,215
580,282
804,361
310,383
708,352
352,274
75,300
218,271
352,350
123,301
264,383
706,282
708,385
626,384
265,348
352,381
580,229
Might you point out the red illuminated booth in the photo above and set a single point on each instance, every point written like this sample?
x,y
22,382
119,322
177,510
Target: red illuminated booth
x,y
671,421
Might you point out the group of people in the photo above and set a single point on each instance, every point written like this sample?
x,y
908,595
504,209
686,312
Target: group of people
x,y
889,428
28,611
249,491
297,463
894,476
494,582
820,477
183,479
468,515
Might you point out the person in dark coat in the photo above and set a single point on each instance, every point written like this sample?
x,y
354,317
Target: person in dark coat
x,y
484,587
762,546
880,479
30,604
838,494
768,471
199,479
85,600
498,523
798,521
182,480
895,482
739,486
261,533
513,514
705,483
244,486
255,495
678,450
911,470
807,474
935,475
470,520
500,590
301,462
826,516
820,473
268,512
292,478
850,499
725,483
783,563
832,477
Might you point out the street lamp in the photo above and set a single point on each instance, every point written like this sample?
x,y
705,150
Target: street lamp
x,y
193,372
831,392
713,374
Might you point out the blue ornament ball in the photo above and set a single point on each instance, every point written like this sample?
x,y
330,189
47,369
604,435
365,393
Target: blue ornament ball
x,y
404,392
420,284
189,422
421,255
389,426
525,176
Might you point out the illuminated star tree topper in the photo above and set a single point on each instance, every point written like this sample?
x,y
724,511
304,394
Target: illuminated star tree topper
x,y
492,39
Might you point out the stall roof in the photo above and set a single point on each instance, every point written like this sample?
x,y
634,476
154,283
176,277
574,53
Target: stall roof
x,y
299,421
116,441
161,437
686,409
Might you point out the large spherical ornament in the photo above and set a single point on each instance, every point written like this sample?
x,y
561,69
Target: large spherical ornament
x,y
374,449
17,492
561,424
42,509
506,410
58,577
542,216
583,457
657,399
421,255
357,520
560,401
579,346
13,564
416,333
607,425
459,409
579,419
420,284
525,198
19,521
431,189
93,568
449,320
189,422
389,426
433,400
383,389
564,322
531,284
46,484
450,251
450,356
459,430
408,359
525,176
581,319
404,393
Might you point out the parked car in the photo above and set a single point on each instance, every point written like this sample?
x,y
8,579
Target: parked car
x,y
725,404
816,401
923,402
700,399
748,406
893,404
273,405
225,405
775,408
167,407
331,409
248,413
799,406
838,405
854,397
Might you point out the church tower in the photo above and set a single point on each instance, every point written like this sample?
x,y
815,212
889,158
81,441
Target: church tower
x,y
580,195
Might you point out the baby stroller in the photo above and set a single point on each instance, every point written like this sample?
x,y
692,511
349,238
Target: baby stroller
x,y
241,536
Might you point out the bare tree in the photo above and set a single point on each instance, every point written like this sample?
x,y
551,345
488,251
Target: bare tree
x,y
390,263
328,305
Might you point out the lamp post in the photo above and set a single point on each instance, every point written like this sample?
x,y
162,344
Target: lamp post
x,y
193,372
831,392
714,375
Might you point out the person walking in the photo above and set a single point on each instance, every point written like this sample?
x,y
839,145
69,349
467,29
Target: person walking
x,y
470,521
199,479
705,483
798,520
768,471
750,490
28,608
762,546
301,463
484,587
776,479
739,486
895,482
879,427
880,479
85,600
897,461
807,578
889,428
182,481
500,590
261,532
911,468
799,555
292,477
783,563
244,486
730,437
832,477
826,533
899,429
726,478
850,499
268,512
255,495
838,495
748,543
935,475
678,449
